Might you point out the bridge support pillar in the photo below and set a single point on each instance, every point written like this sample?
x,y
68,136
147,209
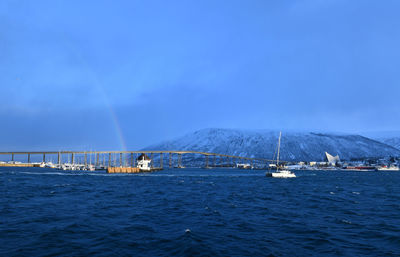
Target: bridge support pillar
x,y
206,161
44,157
179,160
170,160
131,159
135,160
72,158
161,160
59,158
152,160
97,159
29,158
109,159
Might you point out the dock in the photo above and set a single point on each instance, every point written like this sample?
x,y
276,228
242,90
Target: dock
x,y
19,165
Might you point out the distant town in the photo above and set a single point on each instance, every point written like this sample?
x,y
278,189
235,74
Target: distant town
x,y
360,164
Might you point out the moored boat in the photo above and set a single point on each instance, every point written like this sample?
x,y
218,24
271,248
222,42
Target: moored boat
x,y
280,173
360,168
390,168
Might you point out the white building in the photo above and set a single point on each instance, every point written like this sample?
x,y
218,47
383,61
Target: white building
x,y
332,160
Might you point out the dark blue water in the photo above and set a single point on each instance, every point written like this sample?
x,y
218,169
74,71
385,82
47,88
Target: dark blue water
x,y
198,213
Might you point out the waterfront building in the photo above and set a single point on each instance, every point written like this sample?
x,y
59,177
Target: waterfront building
x,y
332,160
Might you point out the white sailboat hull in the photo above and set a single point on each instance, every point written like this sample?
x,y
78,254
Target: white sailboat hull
x,y
283,175
389,168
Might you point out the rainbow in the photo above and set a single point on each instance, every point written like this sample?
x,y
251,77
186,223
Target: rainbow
x,y
99,87
116,123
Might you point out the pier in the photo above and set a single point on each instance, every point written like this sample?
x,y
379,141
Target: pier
x,y
122,159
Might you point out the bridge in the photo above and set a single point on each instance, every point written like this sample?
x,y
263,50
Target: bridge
x,y
128,158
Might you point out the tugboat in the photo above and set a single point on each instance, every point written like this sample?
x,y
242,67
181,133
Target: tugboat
x,y
143,162
280,172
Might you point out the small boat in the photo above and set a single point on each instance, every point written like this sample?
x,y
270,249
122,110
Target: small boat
x,y
280,172
50,165
244,166
390,168
90,167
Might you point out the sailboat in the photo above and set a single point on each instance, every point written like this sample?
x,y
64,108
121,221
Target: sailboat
x,y
280,173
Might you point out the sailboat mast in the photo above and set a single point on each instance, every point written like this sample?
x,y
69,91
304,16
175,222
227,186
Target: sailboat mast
x,y
279,148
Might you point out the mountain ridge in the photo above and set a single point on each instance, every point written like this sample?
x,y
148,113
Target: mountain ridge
x,y
295,146
391,138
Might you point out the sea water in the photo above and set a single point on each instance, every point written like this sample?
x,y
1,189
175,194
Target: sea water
x,y
198,212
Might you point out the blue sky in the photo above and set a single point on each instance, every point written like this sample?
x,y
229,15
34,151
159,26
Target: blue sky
x,y
126,74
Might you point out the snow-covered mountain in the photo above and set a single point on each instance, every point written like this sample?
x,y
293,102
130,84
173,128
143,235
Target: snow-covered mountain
x,y
295,146
391,138
392,141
